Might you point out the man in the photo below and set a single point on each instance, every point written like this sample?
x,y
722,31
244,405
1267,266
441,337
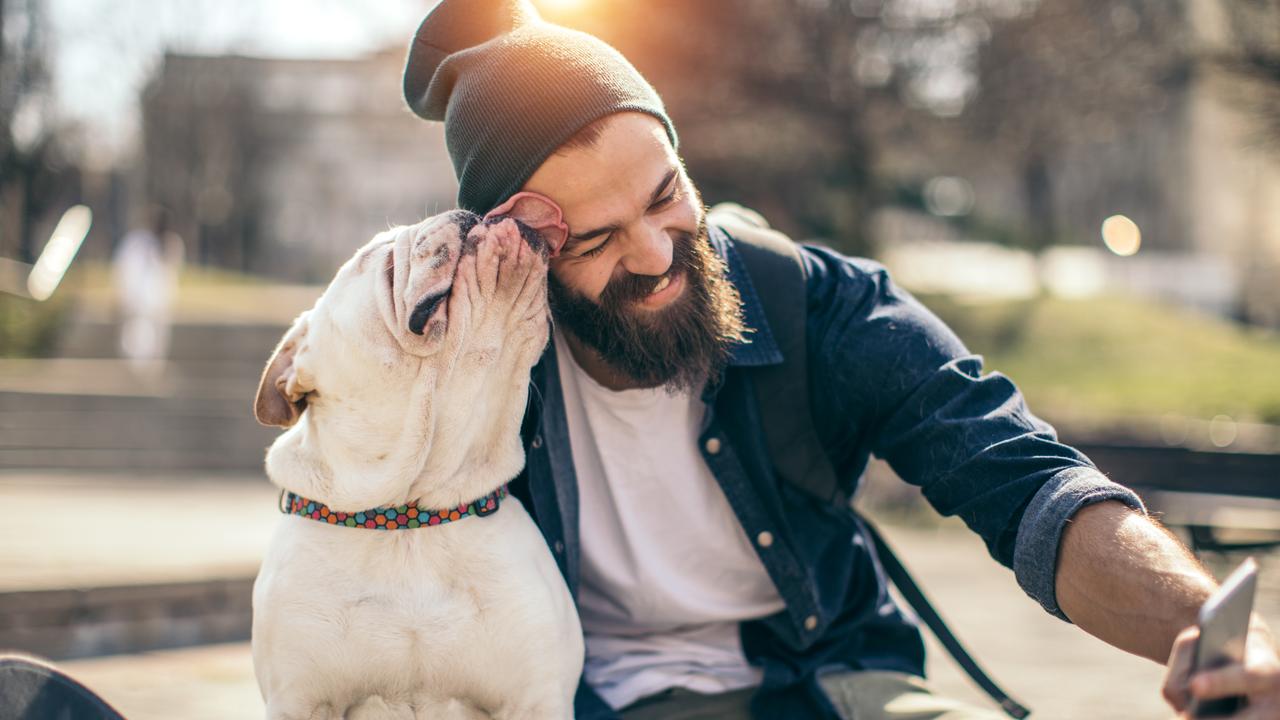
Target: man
x,y
706,587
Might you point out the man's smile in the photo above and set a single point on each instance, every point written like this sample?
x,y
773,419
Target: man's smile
x,y
665,291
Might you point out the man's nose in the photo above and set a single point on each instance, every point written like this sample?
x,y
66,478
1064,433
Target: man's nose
x,y
649,252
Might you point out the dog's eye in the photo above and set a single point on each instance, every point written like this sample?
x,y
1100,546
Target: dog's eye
x,y
440,256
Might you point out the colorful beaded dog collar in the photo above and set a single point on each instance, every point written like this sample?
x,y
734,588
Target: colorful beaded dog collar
x,y
401,517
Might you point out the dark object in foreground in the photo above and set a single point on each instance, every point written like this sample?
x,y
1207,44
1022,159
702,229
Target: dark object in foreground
x,y
33,690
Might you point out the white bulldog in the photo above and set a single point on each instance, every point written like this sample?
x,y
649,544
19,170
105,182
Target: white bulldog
x,y
403,389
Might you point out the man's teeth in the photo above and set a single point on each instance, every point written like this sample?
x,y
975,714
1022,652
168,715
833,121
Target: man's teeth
x,y
661,285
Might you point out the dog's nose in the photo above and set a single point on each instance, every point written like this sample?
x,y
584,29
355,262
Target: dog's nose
x,y
464,220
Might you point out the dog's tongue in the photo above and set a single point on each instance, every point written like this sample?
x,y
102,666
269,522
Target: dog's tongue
x,y
538,212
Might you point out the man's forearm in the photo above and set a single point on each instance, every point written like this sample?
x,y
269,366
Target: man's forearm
x,y
1125,580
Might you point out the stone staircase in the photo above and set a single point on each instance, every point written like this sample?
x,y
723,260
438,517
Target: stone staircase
x,y
125,479
87,410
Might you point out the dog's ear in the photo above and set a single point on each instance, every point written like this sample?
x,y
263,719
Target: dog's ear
x,y
538,212
282,392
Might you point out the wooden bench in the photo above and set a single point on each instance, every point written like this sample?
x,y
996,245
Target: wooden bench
x,y
1225,500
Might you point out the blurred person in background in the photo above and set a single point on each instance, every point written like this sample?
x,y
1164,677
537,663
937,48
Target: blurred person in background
x,y
145,271
707,587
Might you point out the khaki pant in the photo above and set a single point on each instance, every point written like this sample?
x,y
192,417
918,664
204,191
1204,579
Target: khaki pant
x,y
866,695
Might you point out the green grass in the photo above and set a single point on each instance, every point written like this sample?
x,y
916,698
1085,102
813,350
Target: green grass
x,y
1118,357
204,295
1081,361
95,276
29,328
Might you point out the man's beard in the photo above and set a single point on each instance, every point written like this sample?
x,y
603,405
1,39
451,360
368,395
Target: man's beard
x,y
678,347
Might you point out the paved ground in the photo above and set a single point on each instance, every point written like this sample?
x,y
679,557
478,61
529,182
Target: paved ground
x,y
1050,666
65,530
85,530
1054,668
214,682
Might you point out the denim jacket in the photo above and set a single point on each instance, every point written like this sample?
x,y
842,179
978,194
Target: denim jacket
x,y
886,377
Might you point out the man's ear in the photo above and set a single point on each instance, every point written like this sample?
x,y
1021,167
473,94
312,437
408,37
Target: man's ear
x,y
282,392
538,212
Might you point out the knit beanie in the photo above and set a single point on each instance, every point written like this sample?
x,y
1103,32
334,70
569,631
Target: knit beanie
x,y
511,88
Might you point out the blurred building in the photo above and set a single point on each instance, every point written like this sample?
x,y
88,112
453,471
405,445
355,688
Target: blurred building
x,y
1178,149
283,167
1233,183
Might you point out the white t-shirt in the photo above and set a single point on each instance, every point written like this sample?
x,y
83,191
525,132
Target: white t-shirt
x,y
667,571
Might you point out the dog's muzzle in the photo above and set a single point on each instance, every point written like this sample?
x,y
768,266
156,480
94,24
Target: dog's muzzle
x,y
464,221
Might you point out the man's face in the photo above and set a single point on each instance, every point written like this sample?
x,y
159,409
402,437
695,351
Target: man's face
x,y
637,280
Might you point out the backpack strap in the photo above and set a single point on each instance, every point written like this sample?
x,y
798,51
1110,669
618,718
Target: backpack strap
x,y
916,598
782,392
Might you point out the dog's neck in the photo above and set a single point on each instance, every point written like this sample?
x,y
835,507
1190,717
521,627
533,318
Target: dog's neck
x,y
455,439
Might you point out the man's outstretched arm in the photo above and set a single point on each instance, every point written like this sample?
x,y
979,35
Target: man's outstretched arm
x,y
1079,544
1126,581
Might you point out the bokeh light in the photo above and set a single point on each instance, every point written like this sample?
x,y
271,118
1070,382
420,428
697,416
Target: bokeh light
x,y
59,252
1222,430
948,196
1121,235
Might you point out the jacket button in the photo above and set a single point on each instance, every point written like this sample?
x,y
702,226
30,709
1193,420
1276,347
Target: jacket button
x,y
713,446
559,546
811,623
764,539
536,443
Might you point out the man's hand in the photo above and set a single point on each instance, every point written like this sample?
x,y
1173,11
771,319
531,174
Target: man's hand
x,y
1258,679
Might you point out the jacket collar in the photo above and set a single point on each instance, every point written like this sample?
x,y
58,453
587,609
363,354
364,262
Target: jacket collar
x,y
759,348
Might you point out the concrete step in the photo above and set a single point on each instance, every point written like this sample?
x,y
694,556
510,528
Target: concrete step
x,y
101,414
67,529
26,403
76,623
110,377
189,342
216,457
130,432
135,459
142,460
97,563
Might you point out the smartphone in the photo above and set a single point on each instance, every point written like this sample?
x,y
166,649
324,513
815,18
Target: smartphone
x,y
1224,625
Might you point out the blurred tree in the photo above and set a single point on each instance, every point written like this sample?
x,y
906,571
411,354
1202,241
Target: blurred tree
x,y
772,98
1253,55
203,156
1249,52
32,171
1068,72
784,104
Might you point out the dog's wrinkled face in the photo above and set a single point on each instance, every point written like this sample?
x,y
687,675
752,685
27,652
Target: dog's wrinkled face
x,y
452,291
419,281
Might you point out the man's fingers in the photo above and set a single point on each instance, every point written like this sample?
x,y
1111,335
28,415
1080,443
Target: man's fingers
x,y
1176,689
1258,679
1228,681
